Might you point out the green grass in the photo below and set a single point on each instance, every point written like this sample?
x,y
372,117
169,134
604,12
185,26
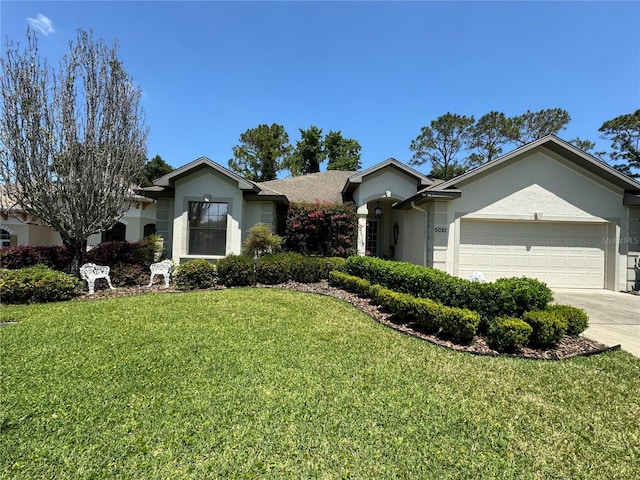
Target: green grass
x,y
262,383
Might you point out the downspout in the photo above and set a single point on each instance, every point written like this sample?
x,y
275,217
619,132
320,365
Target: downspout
x,y
426,231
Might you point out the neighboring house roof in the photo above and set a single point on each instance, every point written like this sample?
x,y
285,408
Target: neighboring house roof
x,y
322,186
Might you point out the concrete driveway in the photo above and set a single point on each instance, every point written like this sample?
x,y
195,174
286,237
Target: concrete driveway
x,y
614,317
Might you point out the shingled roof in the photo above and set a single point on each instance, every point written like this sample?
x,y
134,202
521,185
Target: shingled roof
x,y
323,186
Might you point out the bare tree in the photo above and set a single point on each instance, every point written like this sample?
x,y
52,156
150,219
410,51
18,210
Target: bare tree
x,y
72,141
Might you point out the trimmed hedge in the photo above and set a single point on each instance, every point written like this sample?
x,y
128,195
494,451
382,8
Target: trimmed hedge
x,y
37,284
195,274
508,334
510,297
548,328
576,318
456,323
237,270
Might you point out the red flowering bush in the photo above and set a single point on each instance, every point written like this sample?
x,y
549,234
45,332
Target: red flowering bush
x,y
321,228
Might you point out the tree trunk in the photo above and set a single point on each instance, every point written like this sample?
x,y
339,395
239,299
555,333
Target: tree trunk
x,y
76,249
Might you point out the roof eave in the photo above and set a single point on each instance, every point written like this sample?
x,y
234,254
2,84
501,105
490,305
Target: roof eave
x,y
426,196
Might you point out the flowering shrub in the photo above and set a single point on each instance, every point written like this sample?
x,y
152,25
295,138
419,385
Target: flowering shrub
x,y
321,228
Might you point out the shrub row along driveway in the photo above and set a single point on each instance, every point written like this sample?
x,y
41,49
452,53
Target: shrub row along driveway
x,y
614,317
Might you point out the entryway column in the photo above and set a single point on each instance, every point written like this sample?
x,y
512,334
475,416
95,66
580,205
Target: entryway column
x,y
362,230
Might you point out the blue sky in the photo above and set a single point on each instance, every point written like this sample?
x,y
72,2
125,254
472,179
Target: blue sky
x,y
377,71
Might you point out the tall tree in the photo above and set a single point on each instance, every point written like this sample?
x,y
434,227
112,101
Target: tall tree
x,y
531,126
584,145
308,154
343,153
154,168
440,144
488,135
624,134
262,152
72,141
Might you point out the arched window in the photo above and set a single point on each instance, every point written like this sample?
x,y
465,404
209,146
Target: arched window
x,y
149,229
5,238
117,233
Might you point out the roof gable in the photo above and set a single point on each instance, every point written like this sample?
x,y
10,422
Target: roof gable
x,y
355,180
169,179
558,146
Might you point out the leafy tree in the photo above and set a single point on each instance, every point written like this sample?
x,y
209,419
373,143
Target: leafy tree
x,y
488,135
154,168
441,142
308,154
343,153
453,171
531,126
73,140
261,153
624,134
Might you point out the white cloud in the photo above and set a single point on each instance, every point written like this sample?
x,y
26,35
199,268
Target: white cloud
x,y
41,24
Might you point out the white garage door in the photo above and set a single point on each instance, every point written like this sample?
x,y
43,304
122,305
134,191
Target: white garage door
x,y
569,255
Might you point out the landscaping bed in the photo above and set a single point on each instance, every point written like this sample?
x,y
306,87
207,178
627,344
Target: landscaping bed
x,y
569,346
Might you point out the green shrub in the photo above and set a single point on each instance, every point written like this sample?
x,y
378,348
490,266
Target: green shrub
x,y
456,323
236,271
37,284
459,324
505,297
548,328
195,274
273,269
335,263
307,269
576,318
527,293
508,334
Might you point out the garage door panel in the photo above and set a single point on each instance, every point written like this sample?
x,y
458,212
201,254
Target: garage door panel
x,y
559,254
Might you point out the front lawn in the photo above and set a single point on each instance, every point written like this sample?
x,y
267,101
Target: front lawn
x,y
263,383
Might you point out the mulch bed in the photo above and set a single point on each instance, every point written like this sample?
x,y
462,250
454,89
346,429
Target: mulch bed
x,y
569,346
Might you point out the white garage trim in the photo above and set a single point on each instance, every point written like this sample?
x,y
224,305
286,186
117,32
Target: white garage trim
x,y
561,254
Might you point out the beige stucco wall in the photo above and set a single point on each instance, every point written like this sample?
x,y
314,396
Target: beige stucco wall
x,y
541,186
258,212
413,230
30,233
383,188
206,185
375,185
633,244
